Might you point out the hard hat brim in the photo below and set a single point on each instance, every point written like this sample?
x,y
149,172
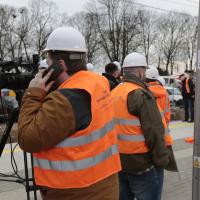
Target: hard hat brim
x,y
146,67
153,78
68,50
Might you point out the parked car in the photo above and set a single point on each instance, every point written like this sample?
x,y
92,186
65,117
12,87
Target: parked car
x,y
171,81
175,96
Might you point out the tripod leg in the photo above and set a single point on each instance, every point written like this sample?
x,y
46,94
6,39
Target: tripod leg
x,y
34,185
26,175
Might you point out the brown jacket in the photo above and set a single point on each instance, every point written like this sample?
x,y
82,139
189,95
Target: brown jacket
x,y
142,104
63,112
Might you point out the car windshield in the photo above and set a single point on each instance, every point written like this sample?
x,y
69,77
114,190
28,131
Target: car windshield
x,y
177,91
174,91
170,91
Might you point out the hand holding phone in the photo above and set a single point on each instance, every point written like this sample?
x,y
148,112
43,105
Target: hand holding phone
x,y
46,79
57,70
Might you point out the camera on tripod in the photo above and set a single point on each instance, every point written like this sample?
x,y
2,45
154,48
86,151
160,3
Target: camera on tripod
x,y
15,75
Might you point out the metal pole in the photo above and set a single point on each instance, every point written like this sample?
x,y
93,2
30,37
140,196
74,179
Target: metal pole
x,y
196,153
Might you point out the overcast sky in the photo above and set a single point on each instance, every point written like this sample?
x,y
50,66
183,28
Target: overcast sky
x,y
72,6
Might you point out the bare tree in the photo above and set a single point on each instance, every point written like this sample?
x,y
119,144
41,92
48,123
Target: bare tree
x,y
6,17
84,21
172,28
43,14
112,29
15,27
159,49
189,45
62,19
22,29
148,35
117,24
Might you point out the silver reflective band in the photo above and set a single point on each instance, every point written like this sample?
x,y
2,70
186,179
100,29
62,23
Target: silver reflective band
x,y
76,165
167,131
136,138
128,122
166,110
86,139
167,101
162,114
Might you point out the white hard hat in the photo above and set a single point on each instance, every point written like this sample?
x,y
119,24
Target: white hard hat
x,y
134,60
43,64
152,73
117,64
161,80
66,39
90,67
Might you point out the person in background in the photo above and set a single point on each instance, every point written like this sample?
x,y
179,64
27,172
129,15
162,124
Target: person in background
x,y
161,81
163,101
90,67
43,64
140,132
188,93
112,73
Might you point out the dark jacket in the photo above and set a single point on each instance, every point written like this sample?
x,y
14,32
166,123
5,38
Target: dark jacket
x,y
113,82
142,103
184,92
63,112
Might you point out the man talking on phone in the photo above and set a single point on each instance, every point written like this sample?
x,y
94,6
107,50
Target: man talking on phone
x,y
66,121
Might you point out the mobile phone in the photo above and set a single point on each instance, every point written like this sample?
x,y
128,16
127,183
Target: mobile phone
x,y
57,70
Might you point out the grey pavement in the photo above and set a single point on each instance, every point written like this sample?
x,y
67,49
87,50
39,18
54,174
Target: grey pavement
x,y
177,186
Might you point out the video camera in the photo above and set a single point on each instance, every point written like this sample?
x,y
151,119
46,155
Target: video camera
x,y
16,75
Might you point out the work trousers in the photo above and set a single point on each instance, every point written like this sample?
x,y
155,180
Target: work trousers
x,y
189,108
147,186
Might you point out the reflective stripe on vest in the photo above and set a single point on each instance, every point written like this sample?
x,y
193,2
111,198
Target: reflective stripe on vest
x,y
128,122
166,110
75,165
136,138
163,110
167,130
128,126
82,140
87,156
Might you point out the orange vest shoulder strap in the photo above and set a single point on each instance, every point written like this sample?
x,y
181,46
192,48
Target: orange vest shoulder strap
x,y
187,85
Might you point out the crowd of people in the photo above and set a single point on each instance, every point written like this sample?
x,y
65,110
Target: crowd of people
x,y
99,137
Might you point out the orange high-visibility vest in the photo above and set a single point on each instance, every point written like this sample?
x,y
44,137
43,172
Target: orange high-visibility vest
x,y
187,85
130,136
163,104
90,155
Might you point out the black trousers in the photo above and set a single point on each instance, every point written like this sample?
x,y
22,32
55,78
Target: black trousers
x,y
189,108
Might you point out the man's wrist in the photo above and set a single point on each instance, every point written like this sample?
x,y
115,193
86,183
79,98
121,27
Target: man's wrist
x,y
35,92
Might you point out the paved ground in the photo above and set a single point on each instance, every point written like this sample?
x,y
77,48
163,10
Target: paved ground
x,y
177,186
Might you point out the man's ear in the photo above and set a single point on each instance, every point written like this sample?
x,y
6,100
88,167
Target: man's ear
x,y
64,66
